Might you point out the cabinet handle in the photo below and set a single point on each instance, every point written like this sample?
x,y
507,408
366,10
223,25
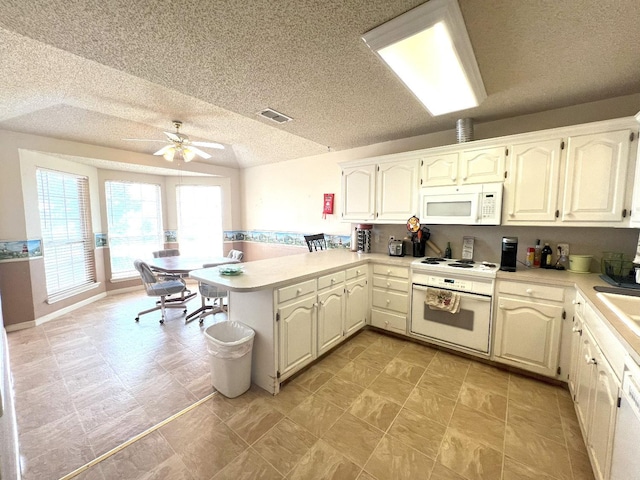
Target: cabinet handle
x,y
464,179
299,291
388,272
333,280
511,214
321,303
388,301
386,323
575,302
389,284
453,179
590,360
529,291
577,330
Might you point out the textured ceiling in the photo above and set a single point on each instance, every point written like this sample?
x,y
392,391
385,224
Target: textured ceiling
x,y
98,71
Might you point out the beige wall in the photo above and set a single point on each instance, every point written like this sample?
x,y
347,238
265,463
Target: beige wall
x,y
23,282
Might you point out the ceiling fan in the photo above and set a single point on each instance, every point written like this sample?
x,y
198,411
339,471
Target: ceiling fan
x,y
179,146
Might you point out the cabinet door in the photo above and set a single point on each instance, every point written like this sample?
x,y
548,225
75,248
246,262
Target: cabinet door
x,y
585,378
357,301
439,170
297,326
482,165
576,338
595,179
604,403
531,188
528,335
358,192
397,194
330,317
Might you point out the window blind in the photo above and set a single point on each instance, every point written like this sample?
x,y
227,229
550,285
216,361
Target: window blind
x,y
199,219
134,218
65,222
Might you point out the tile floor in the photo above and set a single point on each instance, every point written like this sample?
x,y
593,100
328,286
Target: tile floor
x,y
376,408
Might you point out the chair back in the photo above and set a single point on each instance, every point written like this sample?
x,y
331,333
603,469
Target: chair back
x,y
147,275
169,252
316,242
235,255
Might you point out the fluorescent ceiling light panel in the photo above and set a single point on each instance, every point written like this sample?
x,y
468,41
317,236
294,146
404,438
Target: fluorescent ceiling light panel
x,y
429,49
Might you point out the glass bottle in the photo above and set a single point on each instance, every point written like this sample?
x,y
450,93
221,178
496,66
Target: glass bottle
x,y
447,251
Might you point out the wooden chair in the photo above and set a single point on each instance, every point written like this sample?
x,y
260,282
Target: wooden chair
x,y
316,242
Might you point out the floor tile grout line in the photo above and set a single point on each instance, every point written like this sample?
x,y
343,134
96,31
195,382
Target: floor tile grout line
x,y
135,438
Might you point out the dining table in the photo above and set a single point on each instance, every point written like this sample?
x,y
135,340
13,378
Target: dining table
x,y
182,264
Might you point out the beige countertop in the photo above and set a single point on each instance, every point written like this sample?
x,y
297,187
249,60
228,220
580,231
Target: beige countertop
x,y
275,272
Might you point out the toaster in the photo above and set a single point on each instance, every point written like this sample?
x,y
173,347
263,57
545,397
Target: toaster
x,y
396,248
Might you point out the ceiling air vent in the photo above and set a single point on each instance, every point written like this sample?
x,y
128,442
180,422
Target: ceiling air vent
x,y
274,116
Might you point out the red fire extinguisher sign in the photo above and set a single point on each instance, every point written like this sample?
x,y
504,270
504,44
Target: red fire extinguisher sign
x,y
328,204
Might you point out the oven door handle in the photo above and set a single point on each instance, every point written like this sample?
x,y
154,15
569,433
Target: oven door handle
x,y
476,296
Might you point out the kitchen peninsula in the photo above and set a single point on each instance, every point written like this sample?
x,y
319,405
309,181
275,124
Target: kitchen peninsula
x,y
300,306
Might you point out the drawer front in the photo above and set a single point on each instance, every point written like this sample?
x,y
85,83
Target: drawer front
x,y
391,271
398,302
387,283
389,321
296,291
331,280
531,290
357,272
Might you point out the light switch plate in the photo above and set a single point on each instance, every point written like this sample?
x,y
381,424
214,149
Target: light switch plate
x,y
564,249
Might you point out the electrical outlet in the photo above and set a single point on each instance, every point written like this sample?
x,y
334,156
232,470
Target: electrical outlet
x,y
564,249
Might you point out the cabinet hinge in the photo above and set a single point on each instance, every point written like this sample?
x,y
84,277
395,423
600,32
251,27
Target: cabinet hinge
x,y
619,401
278,374
420,181
557,213
506,152
505,174
562,145
378,167
559,371
278,317
632,136
624,213
421,162
564,314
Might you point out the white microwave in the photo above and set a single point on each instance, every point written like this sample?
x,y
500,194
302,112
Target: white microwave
x,y
479,204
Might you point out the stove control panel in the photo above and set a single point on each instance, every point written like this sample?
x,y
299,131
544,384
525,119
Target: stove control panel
x,y
482,286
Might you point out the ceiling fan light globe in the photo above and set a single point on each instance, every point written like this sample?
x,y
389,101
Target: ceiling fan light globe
x,y
188,154
169,154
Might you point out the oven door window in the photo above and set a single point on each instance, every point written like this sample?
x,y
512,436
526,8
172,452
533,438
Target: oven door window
x,y
469,328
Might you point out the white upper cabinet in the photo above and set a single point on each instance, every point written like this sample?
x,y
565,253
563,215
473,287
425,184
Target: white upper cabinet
x,y
439,170
596,176
385,192
396,191
532,185
482,165
359,192
479,165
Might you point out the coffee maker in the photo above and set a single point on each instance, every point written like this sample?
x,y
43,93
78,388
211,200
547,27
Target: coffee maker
x,y
509,252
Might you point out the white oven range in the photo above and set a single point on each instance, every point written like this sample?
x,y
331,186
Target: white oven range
x,y
469,330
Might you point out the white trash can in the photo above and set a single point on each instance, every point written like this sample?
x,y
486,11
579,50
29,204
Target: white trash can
x,y
230,345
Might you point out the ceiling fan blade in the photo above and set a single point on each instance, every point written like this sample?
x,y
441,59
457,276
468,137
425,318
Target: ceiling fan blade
x,y
199,152
208,145
173,136
163,149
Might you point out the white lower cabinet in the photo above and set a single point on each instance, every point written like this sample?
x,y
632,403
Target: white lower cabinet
x,y
356,300
297,320
316,315
331,303
390,298
527,328
595,389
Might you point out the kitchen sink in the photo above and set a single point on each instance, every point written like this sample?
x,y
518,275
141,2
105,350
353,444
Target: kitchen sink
x,y
626,308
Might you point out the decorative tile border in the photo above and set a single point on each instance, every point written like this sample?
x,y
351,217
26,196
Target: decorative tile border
x,y
101,240
20,250
282,238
